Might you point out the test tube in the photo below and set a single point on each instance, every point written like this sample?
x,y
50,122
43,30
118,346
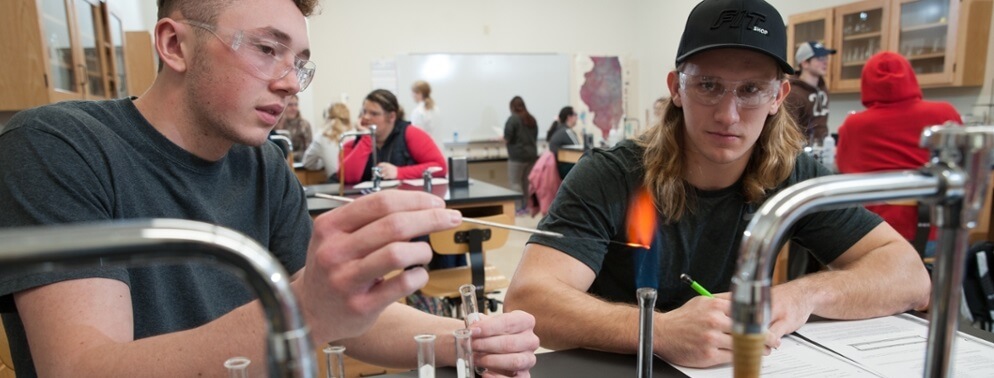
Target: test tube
x,y
471,314
464,353
237,367
335,358
647,303
426,355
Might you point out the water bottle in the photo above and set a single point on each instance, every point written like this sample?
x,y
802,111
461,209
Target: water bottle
x,y
455,136
828,152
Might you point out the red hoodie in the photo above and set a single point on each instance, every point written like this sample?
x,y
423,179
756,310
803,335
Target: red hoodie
x,y
886,135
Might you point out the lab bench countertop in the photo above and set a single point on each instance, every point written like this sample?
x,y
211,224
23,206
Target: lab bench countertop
x,y
476,192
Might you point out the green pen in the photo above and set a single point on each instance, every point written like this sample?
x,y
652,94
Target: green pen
x,y
696,286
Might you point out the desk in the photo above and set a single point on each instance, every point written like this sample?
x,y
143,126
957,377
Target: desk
x,y
569,154
582,363
309,177
478,199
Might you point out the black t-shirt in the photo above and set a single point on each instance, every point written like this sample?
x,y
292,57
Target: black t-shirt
x,y
100,161
591,208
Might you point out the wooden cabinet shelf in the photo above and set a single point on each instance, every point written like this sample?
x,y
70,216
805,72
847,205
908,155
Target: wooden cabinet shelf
x,y
924,27
936,55
854,37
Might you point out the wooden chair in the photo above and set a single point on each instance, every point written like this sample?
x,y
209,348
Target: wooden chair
x,y
984,229
6,362
474,240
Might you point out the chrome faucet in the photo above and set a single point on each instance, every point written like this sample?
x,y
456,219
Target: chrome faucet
x,y
953,183
52,248
377,173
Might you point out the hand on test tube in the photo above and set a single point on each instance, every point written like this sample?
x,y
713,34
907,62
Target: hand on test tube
x,y
343,290
505,344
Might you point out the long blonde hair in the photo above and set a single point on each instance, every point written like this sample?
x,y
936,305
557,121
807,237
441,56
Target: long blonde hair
x,y
771,162
337,121
424,90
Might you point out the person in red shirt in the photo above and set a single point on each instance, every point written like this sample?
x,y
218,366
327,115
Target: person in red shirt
x,y
887,134
403,152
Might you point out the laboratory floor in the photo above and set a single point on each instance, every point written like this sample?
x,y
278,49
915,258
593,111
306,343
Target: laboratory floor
x,y
506,258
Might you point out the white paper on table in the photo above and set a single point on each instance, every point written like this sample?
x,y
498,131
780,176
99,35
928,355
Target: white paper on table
x,y
895,346
421,182
794,358
383,184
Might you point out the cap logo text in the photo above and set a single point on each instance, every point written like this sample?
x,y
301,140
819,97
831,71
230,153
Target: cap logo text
x,y
738,19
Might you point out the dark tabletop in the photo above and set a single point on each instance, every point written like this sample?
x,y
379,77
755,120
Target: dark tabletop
x,y
582,363
578,363
475,192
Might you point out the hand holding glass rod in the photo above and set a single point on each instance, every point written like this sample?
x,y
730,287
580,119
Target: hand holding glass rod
x,y
467,220
696,286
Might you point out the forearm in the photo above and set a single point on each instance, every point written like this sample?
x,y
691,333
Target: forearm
x,y
575,319
200,351
390,342
425,153
354,163
887,280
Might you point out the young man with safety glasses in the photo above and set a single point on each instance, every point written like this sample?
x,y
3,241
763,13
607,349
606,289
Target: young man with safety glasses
x,y
725,145
194,147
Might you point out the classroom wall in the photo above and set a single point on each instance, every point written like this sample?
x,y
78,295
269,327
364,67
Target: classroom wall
x,y
645,30
347,36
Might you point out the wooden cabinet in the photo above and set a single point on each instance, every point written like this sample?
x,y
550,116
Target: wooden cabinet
x,y
58,50
809,26
139,61
935,36
861,30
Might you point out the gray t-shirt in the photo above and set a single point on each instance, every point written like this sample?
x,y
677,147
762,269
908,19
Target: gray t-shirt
x,y
591,208
99,161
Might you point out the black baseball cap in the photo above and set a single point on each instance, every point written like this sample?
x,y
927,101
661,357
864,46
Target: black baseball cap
x,y
747,24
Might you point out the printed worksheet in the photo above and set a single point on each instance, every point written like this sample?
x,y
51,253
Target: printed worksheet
x,y
794,358
383,184
894,346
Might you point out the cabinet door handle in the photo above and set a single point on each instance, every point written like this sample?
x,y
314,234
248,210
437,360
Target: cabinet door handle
x,y
82,75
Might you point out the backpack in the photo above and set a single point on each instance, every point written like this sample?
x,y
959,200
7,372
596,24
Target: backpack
x,y
978,283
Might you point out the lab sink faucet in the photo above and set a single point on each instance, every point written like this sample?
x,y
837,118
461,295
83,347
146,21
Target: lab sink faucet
x,y
377,172
164,241
953,183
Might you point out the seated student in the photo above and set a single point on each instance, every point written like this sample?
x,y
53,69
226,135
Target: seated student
x,y
403,152
563,136
194,147
323,151
886,135
724,146
296,126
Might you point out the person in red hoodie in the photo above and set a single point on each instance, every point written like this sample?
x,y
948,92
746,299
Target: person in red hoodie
x,y
403,152
886,135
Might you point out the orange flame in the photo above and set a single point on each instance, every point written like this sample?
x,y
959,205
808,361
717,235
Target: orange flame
x,y
641,220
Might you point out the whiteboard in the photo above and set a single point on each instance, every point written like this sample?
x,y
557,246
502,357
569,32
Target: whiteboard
x,y
473,91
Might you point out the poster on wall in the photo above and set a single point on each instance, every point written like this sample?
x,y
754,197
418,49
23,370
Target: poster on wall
x,y
605,90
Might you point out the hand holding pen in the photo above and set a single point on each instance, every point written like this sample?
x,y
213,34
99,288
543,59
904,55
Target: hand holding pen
x,y
696,286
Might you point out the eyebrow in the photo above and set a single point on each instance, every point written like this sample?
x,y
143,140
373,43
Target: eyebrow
x,y
285,39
